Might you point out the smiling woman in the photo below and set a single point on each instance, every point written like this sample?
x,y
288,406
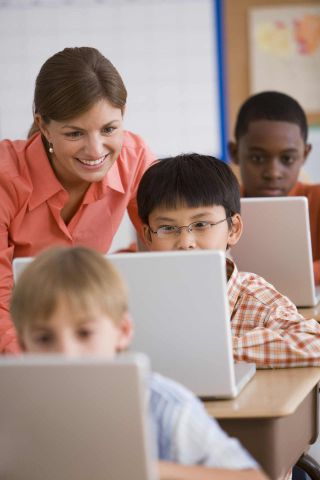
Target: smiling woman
x,y
72,180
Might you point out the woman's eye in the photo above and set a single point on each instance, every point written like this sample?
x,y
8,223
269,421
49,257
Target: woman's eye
x,y
75,134
109,130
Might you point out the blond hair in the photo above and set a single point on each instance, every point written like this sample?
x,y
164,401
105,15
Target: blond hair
x,y
79,275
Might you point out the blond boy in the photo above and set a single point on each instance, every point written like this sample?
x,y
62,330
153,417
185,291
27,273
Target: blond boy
x,y
72,301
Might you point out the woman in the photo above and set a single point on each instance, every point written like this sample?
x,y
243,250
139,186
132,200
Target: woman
x,y
72,180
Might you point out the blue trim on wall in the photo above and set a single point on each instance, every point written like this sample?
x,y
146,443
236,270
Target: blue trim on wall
x,y
218,31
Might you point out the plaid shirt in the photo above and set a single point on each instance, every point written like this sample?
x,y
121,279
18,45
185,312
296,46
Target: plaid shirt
x,y
266,326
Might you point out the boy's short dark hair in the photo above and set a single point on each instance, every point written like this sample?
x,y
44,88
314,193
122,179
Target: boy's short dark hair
x,y
270,105
189,179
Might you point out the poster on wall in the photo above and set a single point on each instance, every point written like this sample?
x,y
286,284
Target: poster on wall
x,y
284,46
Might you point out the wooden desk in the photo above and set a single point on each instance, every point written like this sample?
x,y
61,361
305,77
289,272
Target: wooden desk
x,y
275,416
313,312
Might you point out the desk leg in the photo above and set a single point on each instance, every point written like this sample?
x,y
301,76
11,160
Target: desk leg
x,y
310,466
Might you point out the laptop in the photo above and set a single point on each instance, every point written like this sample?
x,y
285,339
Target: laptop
x,y
74,419
180,309
178,301
276,244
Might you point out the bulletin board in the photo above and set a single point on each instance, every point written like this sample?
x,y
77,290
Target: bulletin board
x,y
284,46
168,52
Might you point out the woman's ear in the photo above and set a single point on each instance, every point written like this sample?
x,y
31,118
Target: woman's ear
x,y
42,125
235,231
125,328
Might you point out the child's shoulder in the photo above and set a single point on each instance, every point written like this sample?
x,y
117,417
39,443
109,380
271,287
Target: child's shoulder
x,y
169,400
168,391
256,289
306,190
171,405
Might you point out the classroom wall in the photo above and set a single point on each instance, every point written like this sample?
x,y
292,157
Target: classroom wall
x,y
166,52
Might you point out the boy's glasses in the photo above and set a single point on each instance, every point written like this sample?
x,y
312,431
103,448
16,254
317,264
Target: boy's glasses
x,y
199,228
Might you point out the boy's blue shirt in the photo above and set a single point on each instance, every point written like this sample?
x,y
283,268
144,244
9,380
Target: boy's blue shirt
x,y
186,434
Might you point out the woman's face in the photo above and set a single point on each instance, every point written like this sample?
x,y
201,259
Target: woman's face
x,y
85,147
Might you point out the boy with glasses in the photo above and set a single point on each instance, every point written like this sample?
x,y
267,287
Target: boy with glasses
x,y
193,202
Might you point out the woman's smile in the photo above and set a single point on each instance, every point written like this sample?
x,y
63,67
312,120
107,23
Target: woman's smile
x,y
93,164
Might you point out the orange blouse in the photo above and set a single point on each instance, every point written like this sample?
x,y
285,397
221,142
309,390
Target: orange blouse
x,y
31,199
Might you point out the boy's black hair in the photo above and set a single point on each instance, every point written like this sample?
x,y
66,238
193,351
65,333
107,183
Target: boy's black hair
x,y
189,179
274,106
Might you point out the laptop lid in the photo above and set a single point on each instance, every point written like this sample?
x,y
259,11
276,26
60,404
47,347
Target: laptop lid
x,y
74,419
179,304
276,244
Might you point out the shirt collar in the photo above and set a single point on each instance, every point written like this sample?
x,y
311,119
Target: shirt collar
x,y
234,283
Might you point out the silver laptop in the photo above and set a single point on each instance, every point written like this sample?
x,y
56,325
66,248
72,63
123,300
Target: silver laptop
x,y
179,304
74,419
276,244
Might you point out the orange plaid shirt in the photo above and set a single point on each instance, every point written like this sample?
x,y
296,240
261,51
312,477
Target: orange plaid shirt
x,y
266,326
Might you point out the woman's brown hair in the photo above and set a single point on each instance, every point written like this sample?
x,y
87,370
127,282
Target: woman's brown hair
x,y
73,80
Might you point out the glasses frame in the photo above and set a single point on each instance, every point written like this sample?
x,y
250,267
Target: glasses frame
x,y
177,230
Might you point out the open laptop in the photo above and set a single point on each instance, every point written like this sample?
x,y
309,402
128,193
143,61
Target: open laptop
x,y
179,304
74,419
180,309
276,244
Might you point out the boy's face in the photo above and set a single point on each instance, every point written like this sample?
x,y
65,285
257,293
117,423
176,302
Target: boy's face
x,y
270,156
214,237
77,334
